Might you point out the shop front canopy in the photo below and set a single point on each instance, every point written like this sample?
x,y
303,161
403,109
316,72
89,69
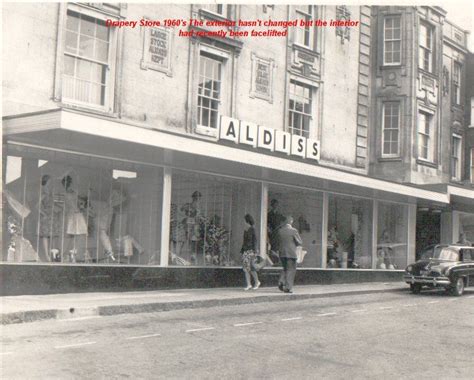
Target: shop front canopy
x,y
97,136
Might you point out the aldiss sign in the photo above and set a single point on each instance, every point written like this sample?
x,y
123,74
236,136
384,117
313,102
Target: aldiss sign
x,y
258,136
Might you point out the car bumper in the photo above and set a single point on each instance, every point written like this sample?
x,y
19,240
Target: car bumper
x,y
435,281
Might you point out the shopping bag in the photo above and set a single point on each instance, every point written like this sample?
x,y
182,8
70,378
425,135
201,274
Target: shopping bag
x,y
300,254
259,262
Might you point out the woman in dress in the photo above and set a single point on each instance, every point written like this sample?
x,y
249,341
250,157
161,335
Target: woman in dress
x,y
248,251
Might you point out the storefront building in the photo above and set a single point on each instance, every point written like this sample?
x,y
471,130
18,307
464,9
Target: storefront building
x,y
136,153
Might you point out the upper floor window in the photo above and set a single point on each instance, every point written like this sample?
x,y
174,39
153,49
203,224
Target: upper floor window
x,y
391,129
300,109
425,54
220,9
472,112
88,64
392,40
457,70
472,166
425,136
305,34
456,144
209,92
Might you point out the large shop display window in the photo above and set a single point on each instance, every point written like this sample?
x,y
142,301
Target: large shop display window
x,y
305,207
207,220
349,238
466,228
67,208
392,240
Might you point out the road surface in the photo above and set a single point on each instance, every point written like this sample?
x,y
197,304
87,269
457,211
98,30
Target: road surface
x,y
378,336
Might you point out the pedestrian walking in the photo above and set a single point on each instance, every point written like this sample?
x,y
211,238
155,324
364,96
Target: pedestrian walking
x,y
248,251
289,239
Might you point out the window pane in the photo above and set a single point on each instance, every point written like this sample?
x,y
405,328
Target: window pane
x,y
101,51
207,219
80,213
87,26
86,46
349,232
71,42
392,242
72,22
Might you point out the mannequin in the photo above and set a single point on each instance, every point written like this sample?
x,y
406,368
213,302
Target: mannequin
x,y
76,225
49,217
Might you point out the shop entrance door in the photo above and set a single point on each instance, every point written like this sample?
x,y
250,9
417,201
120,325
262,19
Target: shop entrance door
x,y
428,230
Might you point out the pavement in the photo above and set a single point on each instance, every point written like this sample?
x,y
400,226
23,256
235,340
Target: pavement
x,y
31,308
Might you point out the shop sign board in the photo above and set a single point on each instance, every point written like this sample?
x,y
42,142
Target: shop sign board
x,y
259,136
157,49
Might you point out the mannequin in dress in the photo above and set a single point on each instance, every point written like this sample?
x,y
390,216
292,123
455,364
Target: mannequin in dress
x,y
76,225
49,217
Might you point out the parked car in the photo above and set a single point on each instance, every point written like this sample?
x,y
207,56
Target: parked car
x,y
451,267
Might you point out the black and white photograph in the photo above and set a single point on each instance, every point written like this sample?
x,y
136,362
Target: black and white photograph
x,y
237,190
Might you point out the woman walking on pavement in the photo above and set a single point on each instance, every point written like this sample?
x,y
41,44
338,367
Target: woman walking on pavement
x,y
248,251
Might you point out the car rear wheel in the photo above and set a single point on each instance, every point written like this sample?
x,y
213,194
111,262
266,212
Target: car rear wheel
x,y
415,288
458,288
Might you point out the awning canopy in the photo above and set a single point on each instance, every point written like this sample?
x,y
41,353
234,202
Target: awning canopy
x,y
72,131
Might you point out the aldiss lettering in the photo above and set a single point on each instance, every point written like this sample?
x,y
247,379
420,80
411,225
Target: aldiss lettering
x,y
258,136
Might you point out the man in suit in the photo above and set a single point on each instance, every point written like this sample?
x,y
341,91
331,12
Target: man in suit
x,y
289,239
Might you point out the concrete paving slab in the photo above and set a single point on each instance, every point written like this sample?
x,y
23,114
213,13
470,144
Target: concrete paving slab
x,y
20,309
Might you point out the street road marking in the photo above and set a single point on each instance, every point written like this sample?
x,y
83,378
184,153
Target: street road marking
x,y
325,314
385,307
143,336
203,329
247,324
75,345
292,319
454,299
358,311
410,304
431,302
470,297
6,353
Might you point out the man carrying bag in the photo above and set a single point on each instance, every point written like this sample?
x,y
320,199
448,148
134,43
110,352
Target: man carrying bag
x,y
289,240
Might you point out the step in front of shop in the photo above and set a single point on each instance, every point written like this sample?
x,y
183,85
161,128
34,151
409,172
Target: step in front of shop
x,y
24,279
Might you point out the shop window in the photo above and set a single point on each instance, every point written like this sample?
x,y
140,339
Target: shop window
x,y
391,129
466,228
349,237
210,95
456,144
89,53
207,220
425,51
392,241
305,207
68,208
392,40
300,109
425,136
305,34
457,70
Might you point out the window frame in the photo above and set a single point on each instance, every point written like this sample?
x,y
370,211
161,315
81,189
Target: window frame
x,y
214,9
456,173
431,143
222,57
290,129
456,78
302,30
397,154
385,63
471,171
431,29
110,67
